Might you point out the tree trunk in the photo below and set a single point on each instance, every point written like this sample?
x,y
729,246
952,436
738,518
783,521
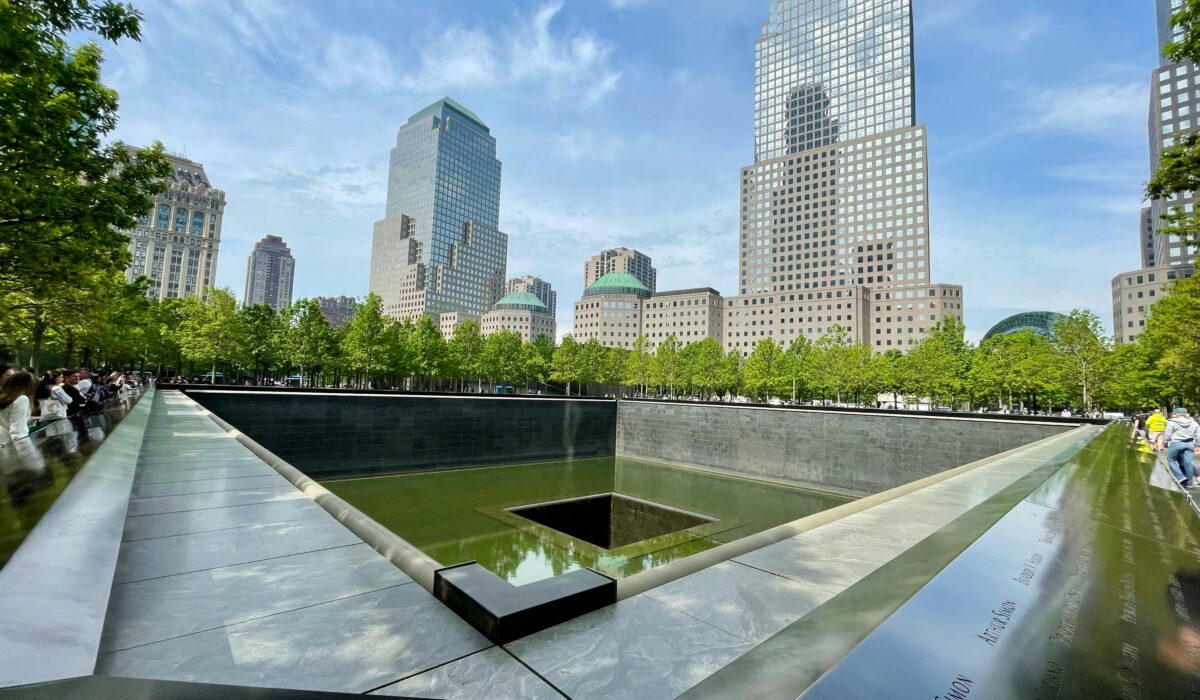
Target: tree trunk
x,y
36,338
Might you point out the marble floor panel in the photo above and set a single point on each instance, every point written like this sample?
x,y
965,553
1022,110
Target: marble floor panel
x,y
166,556
354,644
165,459
166,476
741,600
491,673
172,606
234,483
220,499
143,527
637,648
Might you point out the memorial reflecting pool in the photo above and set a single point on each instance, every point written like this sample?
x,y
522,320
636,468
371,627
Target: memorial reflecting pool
x,y
657,513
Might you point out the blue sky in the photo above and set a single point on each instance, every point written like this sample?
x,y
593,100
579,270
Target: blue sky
x,y
625,122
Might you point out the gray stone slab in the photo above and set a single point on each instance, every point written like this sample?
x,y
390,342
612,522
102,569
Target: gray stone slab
x,y
151,611
491,673
222,499
354,644
637,648
838,557
166,458
166,556
166,476
236,483
741,600
183,522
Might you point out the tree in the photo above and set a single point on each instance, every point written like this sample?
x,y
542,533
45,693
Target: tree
x,y
729,381
309,339
591,361
938,363
639,369
798,367
764,371
537,358
365,339
65,196
464,352
612,368
1080,338
427,350
830,373
567,362
501,357
212,329
1168,362
668,369
262,332
702,365
892,374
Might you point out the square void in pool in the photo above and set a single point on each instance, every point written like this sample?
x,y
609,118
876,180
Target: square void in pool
x,y
610,520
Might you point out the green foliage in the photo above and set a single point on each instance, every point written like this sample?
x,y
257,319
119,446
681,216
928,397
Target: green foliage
x,y
1080,340
668,367
639,367
365,340
702,364
501,357
567,363
211,330
310,342
64,192
262,342
765,371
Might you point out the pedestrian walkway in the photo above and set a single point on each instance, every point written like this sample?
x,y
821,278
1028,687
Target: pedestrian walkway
x,y
229,574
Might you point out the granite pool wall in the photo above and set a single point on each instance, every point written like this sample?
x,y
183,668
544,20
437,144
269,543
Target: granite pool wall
x,y
856,453
333,434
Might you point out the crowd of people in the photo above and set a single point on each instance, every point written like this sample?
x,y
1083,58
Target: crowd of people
x,y
60,394
1174,437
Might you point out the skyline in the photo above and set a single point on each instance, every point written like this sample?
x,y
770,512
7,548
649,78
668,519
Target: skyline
x,y
1035,173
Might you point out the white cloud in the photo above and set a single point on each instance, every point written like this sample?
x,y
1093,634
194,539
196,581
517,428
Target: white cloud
x,y
1106,110
588,144
569,65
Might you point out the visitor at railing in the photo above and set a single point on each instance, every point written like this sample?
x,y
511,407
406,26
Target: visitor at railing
x,y
52,401
16,396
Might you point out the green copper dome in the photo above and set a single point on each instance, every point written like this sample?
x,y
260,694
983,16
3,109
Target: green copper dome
x,y
617,283
523,301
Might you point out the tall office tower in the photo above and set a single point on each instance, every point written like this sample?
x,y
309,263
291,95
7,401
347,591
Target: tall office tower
x,y
270,271
1174,99
625,260
338,310
834,227
175,245
536,286
437,250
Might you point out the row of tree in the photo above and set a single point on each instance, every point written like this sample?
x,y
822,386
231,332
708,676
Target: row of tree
x,y
210,336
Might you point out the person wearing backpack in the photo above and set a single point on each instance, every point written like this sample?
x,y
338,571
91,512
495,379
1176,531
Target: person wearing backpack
x,y
1180,438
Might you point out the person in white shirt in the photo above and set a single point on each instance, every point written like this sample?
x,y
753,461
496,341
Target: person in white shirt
x,y
1180,438
15,395
52,400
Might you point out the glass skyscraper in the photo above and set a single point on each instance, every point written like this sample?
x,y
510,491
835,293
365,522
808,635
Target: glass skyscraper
x,y
834,226
438,250
832,70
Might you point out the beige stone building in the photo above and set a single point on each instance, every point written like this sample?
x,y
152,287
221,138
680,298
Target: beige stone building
x,y
536,286
1134,292
522,312
624,260
611,311
175,245
690,315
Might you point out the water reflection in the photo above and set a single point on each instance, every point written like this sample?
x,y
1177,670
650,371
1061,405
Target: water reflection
x,y
34,470
457,516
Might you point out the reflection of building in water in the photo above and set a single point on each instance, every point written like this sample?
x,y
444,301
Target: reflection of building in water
x,y
811,123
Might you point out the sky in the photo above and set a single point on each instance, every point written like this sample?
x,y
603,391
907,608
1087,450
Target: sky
x,y
625,123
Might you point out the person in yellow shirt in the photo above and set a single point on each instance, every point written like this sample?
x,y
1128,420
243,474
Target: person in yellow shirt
x,y
1155,425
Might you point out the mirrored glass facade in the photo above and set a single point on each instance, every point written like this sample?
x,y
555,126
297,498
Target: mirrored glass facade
x,y
438,249
831,70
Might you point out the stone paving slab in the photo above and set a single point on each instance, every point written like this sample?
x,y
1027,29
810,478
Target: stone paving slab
x,y
225,578
151,610
491,673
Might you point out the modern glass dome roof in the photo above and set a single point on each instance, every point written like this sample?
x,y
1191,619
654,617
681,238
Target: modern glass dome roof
x,y
1040,322
617,283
